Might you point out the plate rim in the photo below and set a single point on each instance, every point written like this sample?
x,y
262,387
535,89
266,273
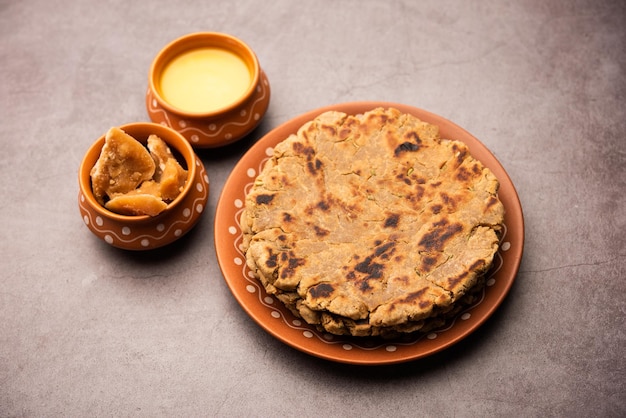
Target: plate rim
x,y
256,153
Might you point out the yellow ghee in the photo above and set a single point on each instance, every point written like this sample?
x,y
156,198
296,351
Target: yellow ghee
x,y
204,80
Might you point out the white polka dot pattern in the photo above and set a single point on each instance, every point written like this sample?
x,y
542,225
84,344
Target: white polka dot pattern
x,y
174,225
202,134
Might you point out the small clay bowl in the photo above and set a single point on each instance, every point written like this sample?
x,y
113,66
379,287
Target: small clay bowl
x,y
220,123
146,232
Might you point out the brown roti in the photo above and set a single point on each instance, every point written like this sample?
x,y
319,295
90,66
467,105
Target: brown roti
x,y
371,224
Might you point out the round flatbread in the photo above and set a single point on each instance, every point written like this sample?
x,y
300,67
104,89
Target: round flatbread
x,y
371,224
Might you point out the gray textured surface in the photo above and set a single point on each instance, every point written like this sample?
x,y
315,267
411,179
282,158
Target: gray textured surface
x,y
88,330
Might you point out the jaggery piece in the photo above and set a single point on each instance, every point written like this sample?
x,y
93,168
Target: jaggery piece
x,y
159,150
172,180
148,187
168,173
136,204
131,179
124,163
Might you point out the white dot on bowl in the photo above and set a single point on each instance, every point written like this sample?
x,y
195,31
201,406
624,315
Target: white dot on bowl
x,y
212,127
197,162
275,314
228,136
347,347
250,288
257,116
391,348
431,336
269,151
466,316
232,230
99,221
206,178
251,275
268,300
82,197
186,212
308,334
329,337
145,242
238,261
243,113
505,246
199,208
182,124
195,138
160,227
126,231
491,282
86,219
296,322
251,172
199,187
108,239
154,103
238,203
178,232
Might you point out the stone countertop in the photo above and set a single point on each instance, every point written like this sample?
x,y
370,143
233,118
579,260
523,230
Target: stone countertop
x,y
90,330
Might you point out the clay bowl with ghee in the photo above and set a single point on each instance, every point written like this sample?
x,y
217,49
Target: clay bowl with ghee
x,y
209,87
145,232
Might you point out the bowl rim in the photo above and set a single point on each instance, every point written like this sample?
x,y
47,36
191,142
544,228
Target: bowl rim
x,y
172,138
195,40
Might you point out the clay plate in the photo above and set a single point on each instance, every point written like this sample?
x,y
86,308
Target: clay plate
x,y
272,316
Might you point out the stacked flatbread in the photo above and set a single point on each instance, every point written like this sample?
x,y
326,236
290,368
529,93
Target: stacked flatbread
x,y
371,225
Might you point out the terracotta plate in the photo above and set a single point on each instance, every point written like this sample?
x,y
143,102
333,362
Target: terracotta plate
x,y
270,314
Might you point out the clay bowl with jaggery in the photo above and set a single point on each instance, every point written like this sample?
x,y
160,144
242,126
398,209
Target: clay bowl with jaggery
x,y
130,231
